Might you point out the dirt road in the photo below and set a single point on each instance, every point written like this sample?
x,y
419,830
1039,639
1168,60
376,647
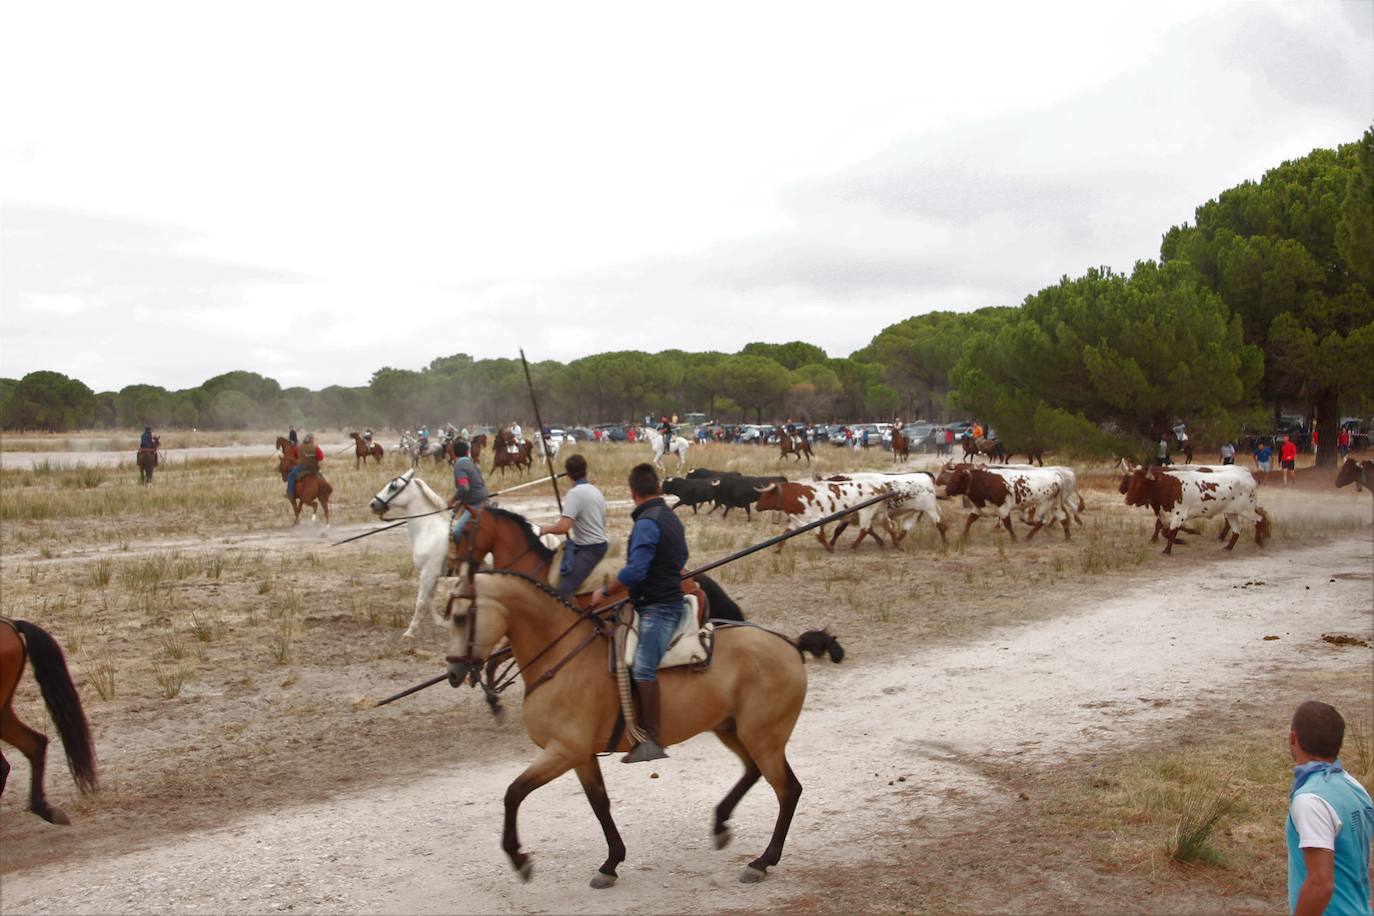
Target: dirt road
x,y
878,747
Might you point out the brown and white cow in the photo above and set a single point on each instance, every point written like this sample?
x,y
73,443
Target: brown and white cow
x,y
804,503
1073,501
1360,473
1185,494
1243,473
1036,493
915,501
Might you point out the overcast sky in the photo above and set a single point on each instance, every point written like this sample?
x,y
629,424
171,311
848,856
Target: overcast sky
x,y
313,191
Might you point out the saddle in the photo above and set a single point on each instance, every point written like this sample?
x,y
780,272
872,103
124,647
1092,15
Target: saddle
x,y
692,644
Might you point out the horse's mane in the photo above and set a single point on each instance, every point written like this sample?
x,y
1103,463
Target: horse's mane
x,y
435,499
531,539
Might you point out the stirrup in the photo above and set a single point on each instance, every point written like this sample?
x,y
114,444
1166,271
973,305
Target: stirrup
x,y
648,749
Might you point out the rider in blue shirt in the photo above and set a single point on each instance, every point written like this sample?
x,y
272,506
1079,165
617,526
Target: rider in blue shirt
x,y
653,574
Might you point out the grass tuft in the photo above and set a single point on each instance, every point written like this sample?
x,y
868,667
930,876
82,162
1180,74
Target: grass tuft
x,y
1201,812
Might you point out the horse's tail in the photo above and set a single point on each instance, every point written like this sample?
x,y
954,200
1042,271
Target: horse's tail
x,y
818,643
64,705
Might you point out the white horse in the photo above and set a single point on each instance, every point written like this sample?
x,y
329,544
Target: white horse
x,y
677,447
555,443
410,495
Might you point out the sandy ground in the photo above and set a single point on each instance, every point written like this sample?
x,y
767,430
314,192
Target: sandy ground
x,y
167,456
879,746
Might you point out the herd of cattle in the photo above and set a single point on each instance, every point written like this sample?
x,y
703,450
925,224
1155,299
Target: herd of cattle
x,y
1038,496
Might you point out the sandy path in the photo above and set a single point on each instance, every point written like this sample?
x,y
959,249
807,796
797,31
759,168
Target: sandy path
x,y
1113,665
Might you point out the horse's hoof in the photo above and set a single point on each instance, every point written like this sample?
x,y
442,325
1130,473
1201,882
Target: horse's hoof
x,y
752,875
721,838
54,816
525,870
601,881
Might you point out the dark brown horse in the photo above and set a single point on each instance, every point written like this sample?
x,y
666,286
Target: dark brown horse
x,y
794,445
988,448
522,459
361,451
901,445
475,446
750,697
147,461
19,640
310,489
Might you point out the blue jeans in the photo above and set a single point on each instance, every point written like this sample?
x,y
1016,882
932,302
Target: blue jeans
x,y
657,623
291,476
461,519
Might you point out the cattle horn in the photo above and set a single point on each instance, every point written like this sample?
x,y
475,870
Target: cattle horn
x,y
766,489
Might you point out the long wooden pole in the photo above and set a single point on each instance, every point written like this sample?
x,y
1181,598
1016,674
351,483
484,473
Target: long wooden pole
x,y
542,438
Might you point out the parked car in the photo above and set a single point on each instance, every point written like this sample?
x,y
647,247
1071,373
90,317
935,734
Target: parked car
x,y
580,434
612,432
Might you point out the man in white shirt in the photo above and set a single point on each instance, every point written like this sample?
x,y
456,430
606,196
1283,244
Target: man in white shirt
x,y
584,521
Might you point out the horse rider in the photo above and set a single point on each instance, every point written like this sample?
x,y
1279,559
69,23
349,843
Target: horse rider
x,y
469,495
515,436
666,429
146,442
655,559
367,438
584,521
308,458
463,434
291,436
424,439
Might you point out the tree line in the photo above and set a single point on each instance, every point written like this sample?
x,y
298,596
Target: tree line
x,y
1265,302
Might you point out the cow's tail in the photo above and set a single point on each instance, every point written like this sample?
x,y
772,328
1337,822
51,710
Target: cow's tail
x,y
818,643
1082,503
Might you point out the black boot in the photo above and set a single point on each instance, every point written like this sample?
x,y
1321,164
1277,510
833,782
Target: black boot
x,y
648,749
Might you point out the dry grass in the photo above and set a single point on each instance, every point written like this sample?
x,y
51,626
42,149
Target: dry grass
x,y
196,588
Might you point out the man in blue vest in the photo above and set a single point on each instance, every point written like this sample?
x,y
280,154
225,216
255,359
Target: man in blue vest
x,y
1330,818
653,574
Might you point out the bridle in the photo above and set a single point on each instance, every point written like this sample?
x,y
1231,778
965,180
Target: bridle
x,y
386,503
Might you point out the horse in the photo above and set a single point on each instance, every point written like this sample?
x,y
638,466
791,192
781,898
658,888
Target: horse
x,y
147,460
475,446
20,639
794,445
428,526
361,451
750,697
677,447
901,445
988,448
502,457
283,444
547,446
310,489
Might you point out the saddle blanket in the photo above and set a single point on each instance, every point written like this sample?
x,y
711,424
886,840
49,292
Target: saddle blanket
x,y
691,644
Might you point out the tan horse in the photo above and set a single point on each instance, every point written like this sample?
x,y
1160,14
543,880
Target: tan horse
x,y
361,451
20,640
310,489
796,446
750,697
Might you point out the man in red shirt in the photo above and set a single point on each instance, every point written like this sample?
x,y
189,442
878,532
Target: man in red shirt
x,y
1288,460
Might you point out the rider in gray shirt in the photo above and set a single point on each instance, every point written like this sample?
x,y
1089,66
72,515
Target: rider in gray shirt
x,y
584,521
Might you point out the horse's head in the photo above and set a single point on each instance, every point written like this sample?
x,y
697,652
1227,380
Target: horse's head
x,y
475,624
397,494
284,465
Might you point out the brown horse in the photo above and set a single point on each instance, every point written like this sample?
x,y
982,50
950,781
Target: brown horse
x,y
988,448
794,445
310,489
20,639
522,459
901,445
750,697
147,461
1360,473
475,446
361,451
283,444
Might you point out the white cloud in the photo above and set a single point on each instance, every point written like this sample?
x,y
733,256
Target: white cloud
x,y
313,192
